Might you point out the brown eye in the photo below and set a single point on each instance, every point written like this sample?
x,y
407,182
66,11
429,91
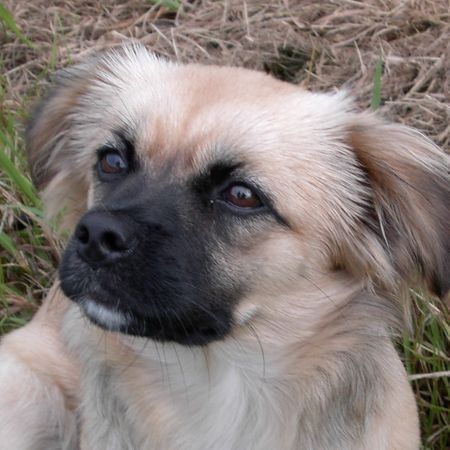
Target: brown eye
x,y
112,162
241,196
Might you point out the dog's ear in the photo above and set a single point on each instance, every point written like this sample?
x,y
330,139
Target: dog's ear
x,y
51,156
407,179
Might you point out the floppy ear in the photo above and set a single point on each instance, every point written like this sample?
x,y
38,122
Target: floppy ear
x,y
50,145
408,181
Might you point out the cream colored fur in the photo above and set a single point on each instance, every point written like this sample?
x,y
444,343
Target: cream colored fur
x,y
309,364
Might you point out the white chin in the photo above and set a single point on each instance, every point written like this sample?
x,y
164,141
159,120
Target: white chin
x,y
108,318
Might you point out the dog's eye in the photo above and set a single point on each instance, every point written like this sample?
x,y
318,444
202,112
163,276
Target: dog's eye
x,y
111,162
241,196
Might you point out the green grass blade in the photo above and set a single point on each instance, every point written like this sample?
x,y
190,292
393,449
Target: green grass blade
x,y
22,183
8,20
173,5
8,133
8,244
376,93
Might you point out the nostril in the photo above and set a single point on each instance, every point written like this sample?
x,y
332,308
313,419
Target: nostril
x,y
102,237
82,234
113,241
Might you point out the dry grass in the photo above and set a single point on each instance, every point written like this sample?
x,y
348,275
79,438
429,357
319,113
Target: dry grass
x,y
320,45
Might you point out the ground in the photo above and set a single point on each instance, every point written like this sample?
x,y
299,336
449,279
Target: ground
x,y
391,55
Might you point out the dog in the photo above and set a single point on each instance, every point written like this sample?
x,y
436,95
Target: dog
x,y
240,259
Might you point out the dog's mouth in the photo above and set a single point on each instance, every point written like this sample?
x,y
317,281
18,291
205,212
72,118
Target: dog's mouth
x,y
160,327
111,312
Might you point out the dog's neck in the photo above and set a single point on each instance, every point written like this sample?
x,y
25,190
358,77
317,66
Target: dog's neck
x,y
253,384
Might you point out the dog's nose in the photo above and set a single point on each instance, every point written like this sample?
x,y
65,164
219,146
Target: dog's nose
x,y
101,237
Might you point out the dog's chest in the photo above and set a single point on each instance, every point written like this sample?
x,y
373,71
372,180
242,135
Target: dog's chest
x,y
171,398
143,395
142,410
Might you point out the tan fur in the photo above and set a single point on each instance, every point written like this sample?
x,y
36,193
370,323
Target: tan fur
x,y
39,383
309,363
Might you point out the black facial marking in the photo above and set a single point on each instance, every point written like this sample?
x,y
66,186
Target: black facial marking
x,y
151,252
162,274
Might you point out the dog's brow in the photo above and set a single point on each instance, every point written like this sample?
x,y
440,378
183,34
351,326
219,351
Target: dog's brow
x,y
215,173
125,140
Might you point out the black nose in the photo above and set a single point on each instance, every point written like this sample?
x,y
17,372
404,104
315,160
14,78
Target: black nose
x,y
102,237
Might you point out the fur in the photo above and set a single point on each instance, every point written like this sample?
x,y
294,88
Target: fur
x,y
312,288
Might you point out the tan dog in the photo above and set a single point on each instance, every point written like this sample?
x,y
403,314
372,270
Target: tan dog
x,y
240,257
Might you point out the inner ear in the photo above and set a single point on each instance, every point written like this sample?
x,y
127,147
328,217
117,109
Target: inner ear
x,y
408,178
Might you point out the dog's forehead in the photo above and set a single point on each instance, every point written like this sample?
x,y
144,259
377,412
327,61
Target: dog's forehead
x,y
192,115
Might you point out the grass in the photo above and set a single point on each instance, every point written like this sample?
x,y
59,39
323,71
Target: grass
x,y
9,23
427,360
29,248
406,88
172,5
376,93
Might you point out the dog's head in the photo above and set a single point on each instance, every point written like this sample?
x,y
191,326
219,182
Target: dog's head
x,y
200,197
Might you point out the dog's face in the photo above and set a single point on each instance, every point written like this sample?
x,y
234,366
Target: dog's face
x,y
202,197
